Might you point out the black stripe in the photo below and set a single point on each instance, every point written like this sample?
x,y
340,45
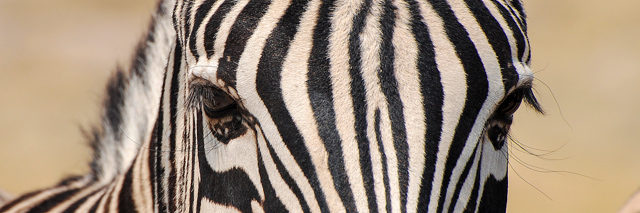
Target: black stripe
x,y
519,15
114,103
240,33
108,195
517,33
232,187
94,208
173,109
433,98
185,154
271,201
141,55
498,40
158,171
287,179
319,87
383,161
19,200
476,93
321,98
155,170
268,87
155,161
197,121
201,151
186,14
358,96
473,199
125,199
494,196
211,30
53,201
73,207
463,176
201,14
176,20
389,86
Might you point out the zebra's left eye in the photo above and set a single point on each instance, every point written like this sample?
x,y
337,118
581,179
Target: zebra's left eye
x,y
510,104
218,104
224,115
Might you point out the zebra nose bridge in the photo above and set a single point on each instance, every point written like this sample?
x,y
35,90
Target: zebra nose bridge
x,y
206,71
525,75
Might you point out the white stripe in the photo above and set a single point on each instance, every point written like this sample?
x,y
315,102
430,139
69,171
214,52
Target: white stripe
x,y
200,37
467,187
181,148
165,150
392,159
91,201
192,16
246,87
281,188
208,206
296,97
408,77
113,195
495,91
240,153
221,38
142,181
103,201
28,203
523,70
83,192
341,23
494,163
454,86
256,207
196,171
370,53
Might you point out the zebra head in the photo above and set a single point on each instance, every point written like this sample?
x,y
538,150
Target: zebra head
x,y
317,106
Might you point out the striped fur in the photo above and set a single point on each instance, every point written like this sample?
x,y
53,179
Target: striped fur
x,y
310,106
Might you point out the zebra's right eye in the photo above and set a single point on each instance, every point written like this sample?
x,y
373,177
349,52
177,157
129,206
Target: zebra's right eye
x,y
218,104
510,104
224,115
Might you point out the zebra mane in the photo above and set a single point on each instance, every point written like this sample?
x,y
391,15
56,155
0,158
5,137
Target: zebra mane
x,y
132,99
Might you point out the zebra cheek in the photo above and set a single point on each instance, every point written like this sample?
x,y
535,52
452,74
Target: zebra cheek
x,y
498,135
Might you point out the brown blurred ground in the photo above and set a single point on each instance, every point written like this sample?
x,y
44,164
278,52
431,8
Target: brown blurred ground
x,y
55,57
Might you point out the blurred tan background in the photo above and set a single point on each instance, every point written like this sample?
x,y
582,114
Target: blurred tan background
x,y
56,55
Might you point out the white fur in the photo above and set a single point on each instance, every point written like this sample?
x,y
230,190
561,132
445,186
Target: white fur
x,y
341,23
246,78
454,87
495,93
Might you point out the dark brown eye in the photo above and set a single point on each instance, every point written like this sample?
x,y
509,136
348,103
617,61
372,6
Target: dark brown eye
x,y
217,103
510,104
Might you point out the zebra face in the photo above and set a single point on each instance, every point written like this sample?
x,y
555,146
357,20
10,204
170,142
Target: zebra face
x,y
357,105
310,106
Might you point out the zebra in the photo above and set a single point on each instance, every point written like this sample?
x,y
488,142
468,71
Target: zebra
x,y
309,106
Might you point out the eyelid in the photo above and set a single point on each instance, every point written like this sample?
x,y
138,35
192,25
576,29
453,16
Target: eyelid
x,y
198,87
